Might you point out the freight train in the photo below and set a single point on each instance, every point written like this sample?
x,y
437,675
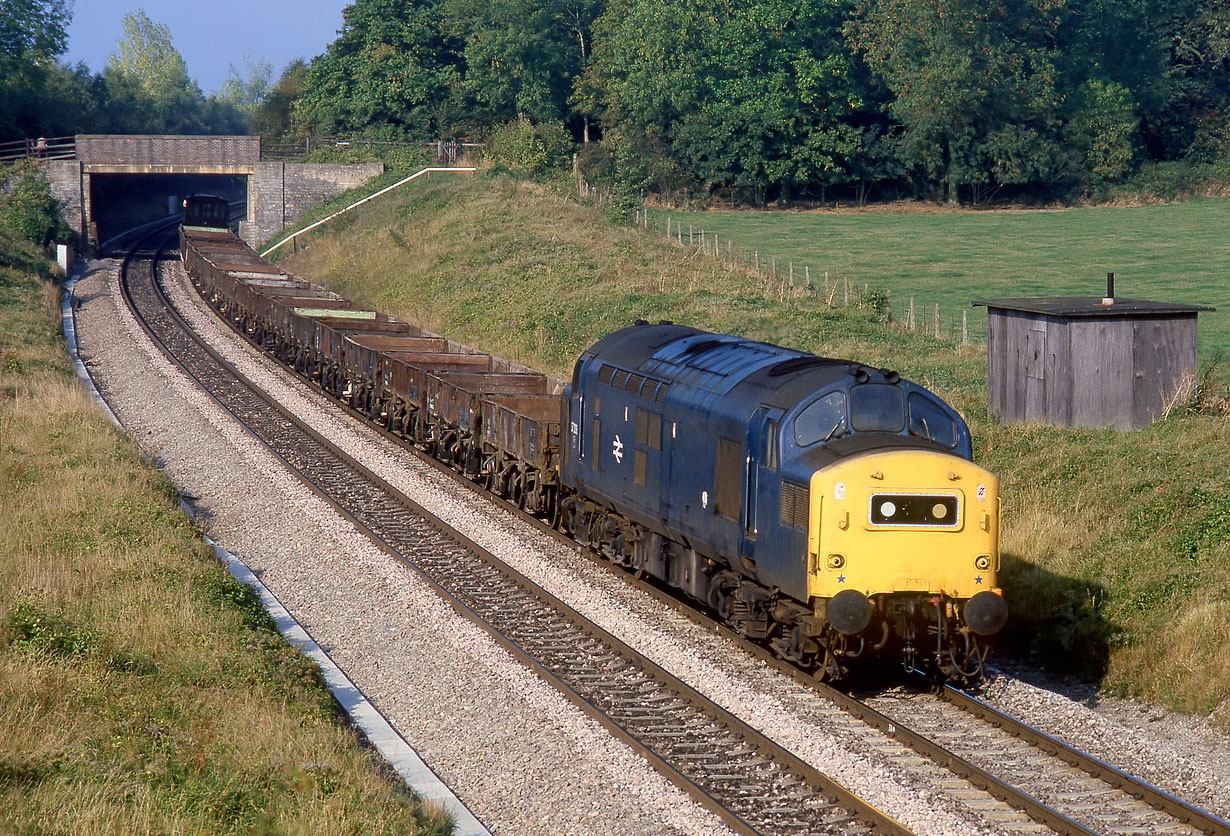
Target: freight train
x,y
823,506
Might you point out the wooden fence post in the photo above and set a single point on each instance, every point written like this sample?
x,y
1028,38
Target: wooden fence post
x,y
964,328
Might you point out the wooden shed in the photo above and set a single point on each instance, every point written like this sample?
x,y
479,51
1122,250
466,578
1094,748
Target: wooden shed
x,y
1087,361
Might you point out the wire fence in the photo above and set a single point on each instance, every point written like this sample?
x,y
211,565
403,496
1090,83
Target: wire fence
x,y
837,291
295,147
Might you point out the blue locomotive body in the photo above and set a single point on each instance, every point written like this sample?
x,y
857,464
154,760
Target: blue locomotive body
x,y
704,457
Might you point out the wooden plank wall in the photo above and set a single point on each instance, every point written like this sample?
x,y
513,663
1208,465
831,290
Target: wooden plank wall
x,y
1093,371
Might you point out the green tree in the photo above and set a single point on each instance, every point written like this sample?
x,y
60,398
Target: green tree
x,y
33,34
273,114
148,66
1197,122
247,92
393,71
756,100
518,60
1103,130
32,31
974,86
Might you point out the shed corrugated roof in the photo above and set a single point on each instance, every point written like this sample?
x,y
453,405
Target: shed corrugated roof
x,y
1080,306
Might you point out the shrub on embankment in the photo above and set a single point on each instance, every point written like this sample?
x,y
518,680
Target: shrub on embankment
x,y
142,689
1117,563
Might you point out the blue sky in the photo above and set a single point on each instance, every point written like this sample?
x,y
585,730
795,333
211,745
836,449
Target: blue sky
x,y
211,35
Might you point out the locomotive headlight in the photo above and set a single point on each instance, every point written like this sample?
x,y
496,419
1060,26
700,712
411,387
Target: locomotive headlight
x,y
939,511
887,509
836,561
983,563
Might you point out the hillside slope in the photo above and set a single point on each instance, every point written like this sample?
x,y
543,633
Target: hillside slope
x,y
1116,544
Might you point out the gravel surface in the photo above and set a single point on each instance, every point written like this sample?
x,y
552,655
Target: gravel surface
x,y
501,738
518,754
1185,756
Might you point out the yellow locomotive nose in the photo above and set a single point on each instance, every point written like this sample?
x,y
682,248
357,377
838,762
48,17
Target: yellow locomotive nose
x,y
907,521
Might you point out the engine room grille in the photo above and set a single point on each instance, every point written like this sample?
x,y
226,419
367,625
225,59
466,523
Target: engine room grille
x,y
795,501
640,467
649,429
728,478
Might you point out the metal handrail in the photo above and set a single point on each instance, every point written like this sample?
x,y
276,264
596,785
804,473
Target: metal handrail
x,y
39,148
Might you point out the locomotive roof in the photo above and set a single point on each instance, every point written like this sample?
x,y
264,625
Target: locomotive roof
x,y
718,363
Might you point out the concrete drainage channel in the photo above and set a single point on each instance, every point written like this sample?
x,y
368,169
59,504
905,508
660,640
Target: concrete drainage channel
x,y
392,747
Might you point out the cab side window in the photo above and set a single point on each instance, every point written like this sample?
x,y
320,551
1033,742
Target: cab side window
x,y
929,421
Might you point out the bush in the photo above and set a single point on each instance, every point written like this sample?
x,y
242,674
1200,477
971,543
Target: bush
x,y
530,150
28,212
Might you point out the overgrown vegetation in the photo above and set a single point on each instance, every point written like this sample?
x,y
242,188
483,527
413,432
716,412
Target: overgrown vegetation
x,y
28,212
142,689
1116,545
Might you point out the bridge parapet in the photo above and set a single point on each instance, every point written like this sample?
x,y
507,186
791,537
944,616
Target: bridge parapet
x,y
160,151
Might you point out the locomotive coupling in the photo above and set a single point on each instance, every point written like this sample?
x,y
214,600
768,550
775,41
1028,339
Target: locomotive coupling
x,y
986,613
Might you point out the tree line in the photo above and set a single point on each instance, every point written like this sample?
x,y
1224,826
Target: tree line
x,y
144,88
755,100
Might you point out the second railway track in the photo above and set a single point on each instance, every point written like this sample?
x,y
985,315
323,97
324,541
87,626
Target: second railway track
x,y
628,678
753,784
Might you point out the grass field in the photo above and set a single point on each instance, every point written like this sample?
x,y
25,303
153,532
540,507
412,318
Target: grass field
x,y
142,689
1116,545
1172,253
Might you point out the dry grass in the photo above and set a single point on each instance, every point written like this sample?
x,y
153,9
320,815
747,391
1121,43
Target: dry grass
x,y
141,688
1114,542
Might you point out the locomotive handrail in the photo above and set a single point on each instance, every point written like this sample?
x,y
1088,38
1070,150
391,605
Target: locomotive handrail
x,y
402,182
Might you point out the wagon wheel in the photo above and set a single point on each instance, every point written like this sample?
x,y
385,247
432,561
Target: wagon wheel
x,y
554,511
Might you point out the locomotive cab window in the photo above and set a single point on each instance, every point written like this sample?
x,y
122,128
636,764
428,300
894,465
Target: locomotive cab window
x,y
929,421
823,420
877,407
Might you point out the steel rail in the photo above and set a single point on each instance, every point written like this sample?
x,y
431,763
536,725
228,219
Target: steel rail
x,y
826,788
1136,787
954,763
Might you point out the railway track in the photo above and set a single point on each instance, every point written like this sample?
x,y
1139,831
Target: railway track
x,y
1078,794
754,785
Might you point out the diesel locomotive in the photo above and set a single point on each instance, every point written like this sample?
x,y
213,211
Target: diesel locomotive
x,y
826,507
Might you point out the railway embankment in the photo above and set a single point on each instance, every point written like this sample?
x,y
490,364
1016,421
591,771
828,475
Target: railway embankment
x,y
141,688
1116,545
